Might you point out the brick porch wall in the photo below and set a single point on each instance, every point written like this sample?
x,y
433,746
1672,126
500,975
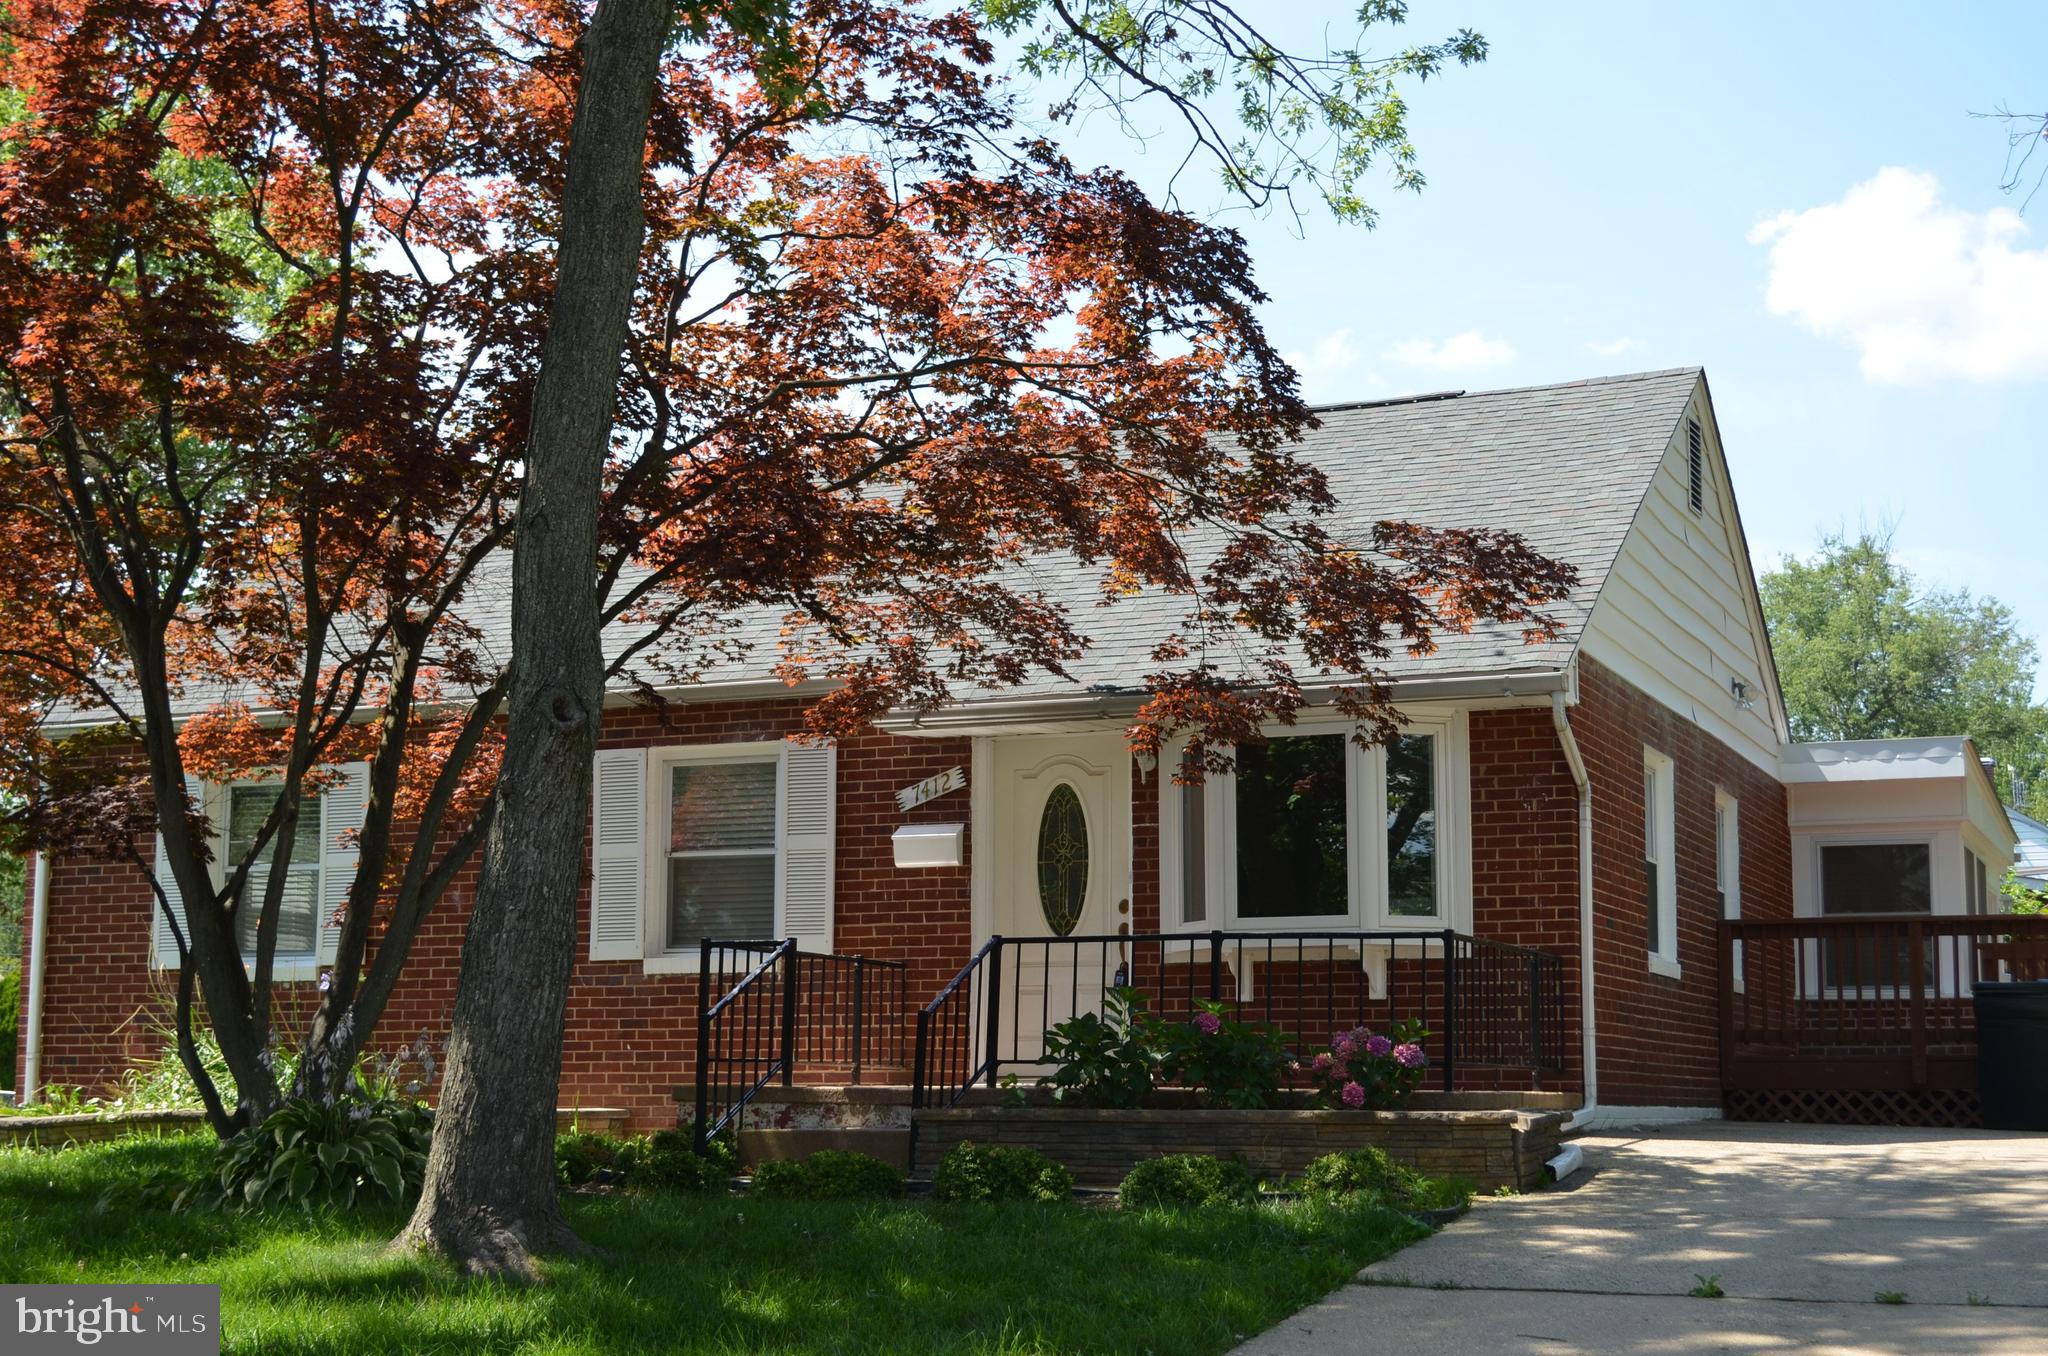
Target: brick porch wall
x,y
1659,1037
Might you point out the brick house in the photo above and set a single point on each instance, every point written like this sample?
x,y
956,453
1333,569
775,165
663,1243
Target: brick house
x,y
1609,799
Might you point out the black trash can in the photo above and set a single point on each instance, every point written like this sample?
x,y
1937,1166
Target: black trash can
x,y
2012,1055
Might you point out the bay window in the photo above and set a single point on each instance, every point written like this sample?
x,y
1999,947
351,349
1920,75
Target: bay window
x,y
1310,831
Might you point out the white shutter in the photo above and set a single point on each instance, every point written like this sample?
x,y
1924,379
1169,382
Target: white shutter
x,y
164,947
341,819
618,838
807,797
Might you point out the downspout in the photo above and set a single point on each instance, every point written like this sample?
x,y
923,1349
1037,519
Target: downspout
x,y
1588,1048
32,1056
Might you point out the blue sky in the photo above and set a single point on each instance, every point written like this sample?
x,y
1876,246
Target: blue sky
x,y
1793,196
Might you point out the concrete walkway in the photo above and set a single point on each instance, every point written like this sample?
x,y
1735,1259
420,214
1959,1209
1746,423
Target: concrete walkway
x,y
1803,1225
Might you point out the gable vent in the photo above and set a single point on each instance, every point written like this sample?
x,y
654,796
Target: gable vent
x,y
1695,467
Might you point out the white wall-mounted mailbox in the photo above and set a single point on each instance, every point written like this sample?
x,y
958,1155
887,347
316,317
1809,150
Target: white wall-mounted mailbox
x,y
930,844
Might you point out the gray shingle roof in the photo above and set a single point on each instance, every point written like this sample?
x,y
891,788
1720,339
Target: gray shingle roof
x,y
1565,465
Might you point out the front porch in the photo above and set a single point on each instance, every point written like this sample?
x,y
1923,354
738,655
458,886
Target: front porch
x,y
800,1051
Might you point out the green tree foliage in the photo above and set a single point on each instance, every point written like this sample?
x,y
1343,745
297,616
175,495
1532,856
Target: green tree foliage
x,y
13,877
1865,653
1283,127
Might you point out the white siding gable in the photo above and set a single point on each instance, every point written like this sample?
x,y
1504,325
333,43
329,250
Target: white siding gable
x,y
1678,615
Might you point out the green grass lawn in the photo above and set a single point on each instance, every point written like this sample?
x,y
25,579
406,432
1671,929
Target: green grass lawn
x,y
699,1275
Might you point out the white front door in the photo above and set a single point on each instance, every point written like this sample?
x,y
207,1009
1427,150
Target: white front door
x,y
1062,869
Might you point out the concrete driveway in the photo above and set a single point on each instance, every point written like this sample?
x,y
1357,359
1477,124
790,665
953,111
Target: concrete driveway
x,y
1803,1225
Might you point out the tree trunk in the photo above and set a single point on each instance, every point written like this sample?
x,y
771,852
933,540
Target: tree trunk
x,y
489,1199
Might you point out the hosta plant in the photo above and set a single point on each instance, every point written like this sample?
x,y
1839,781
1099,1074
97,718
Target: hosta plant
x,y
309,1153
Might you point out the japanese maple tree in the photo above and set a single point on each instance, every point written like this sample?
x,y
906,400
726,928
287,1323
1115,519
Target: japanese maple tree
x,y
862,350
308,321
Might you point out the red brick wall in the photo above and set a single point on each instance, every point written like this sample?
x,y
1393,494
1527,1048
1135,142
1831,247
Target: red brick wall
x,y
629,1035
1525,848
1659,1037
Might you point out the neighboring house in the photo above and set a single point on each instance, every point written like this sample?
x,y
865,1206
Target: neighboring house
x,y
2030,859
1658,697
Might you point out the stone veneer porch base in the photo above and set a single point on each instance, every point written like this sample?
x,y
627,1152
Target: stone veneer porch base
x,y
1493,1148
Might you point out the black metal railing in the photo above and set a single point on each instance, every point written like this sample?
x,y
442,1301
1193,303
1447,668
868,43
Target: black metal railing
x,y
766,1009
851,1012
744,1037
1488,1005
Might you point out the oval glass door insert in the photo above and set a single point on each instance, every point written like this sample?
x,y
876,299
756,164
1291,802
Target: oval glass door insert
x,y
1062,860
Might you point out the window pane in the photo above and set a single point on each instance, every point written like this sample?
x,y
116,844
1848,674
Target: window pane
x,y
1875,878
1062,860
1411,827
247,808
721,806
730,898
1291,850
1194,855
1655,911
298,909
297,913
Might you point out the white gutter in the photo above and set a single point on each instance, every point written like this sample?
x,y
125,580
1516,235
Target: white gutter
x,y
1588,1047
32,1058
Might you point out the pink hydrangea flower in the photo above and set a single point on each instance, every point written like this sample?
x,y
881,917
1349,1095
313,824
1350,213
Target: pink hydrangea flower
x,y
1344,1047
1377,1046
1208,1023
1323,1063
1353,1096
1410,1056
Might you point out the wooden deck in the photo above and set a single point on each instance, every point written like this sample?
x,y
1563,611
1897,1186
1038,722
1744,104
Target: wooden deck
x,y
1863,1018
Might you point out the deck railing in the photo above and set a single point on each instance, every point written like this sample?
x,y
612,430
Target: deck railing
x,y
1864,1001
1488,1005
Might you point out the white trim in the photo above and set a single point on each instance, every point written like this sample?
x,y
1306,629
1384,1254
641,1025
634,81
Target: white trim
x,y
1728,868
31,1071
660,957
981,839
1660,822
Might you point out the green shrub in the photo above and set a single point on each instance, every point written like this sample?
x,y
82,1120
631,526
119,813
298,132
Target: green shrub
x,y
583,1157
828,1175
10,1013
664,1161
311,1153
1368,1174
1105,1060
995,1172
1234,1063
668,1161
1187,1180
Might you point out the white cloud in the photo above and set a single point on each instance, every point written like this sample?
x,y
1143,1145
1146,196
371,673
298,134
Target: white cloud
x,y
1467,352
1613,348
1332,354
1922,288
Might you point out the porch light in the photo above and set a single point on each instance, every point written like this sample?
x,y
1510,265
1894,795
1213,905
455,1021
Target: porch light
x,y
918,845
1743,701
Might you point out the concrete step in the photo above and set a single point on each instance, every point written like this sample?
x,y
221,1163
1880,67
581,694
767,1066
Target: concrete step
x,y
891,1145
